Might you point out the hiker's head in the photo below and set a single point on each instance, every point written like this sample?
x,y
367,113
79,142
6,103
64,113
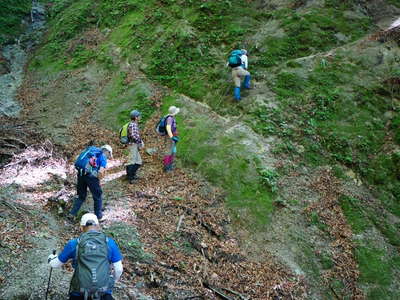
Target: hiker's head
x,y
89,221
107,150
135,114
244,51
173,110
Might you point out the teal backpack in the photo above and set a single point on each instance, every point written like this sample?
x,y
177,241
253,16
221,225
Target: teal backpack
x,y
92,277
234,59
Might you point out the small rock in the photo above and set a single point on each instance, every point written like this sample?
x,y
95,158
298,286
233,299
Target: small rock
x,y
151,151
350,173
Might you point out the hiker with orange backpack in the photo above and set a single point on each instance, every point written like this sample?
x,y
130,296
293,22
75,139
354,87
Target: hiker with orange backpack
x,y
238,61
135,143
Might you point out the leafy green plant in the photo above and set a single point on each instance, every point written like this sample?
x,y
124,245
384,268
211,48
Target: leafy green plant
x,y
11,15
269,178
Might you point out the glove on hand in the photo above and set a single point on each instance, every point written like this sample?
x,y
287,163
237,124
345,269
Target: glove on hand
x,y
51,257
175,139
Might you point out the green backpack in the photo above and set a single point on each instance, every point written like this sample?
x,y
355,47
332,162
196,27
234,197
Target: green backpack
x,y
123,134
92,277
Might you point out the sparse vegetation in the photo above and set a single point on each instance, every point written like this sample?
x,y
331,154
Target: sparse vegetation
x,y
327,107
11,16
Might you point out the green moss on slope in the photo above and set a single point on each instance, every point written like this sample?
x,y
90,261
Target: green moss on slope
x,y
11,14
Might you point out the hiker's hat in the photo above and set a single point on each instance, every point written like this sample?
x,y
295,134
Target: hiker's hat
x,y
244,51
108,148
173,110
89,219
135,113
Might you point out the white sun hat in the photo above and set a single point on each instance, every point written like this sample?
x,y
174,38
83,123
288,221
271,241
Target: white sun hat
x,y
173,110
89,219
108,148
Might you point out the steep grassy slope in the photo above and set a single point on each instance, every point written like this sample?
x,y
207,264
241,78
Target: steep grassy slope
x,y
10,18
326,96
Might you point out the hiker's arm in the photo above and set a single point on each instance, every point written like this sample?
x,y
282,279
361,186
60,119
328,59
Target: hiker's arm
x,y
118,268
67,253
169,131
55,263
245,61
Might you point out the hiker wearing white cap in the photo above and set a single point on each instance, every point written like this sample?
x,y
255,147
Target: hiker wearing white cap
x,y
172,138
89,164
96,259
134,143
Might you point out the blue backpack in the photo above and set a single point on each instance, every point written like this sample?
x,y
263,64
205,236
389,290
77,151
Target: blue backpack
x,y
234,59
161,127
87,161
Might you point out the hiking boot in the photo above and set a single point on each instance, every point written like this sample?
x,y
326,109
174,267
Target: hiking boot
x,y
102,219
71,218
169,168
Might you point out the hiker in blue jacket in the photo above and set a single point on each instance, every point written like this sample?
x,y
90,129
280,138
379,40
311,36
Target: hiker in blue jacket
x,y
88,177
238,61
111,273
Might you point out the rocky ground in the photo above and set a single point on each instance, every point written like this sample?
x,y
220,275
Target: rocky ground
x,y
172,228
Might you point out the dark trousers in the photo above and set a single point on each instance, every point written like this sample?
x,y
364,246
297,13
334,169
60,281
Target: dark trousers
x,y
104,297
93,183
131,171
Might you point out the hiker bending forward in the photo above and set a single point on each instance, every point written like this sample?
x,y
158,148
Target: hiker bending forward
x,y
88,177
135,143
172,139
239,71
96,260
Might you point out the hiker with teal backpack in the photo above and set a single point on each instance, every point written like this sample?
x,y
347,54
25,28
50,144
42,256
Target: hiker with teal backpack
x,y
89,164
96,259
167,128
238,61
134,143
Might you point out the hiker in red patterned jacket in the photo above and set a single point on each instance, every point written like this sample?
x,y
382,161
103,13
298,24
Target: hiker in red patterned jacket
x,y
134,143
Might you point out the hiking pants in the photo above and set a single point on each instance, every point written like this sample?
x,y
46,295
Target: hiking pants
x,y
237,74
93,183
170,154
134,155
104,297
134,161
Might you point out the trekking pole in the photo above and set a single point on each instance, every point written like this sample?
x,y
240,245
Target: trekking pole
x,y
51,269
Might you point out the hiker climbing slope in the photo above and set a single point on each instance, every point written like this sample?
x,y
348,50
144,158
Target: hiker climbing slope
x,y
238,61
88,165
96,260
135,143
167,127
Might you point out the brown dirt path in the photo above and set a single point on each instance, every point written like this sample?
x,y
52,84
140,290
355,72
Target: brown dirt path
x,y
204,254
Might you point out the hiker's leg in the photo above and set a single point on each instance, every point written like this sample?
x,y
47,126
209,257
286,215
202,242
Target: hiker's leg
x,y
169,159
129,172
134,170
95,189
81,189
107,297
236,80
72,297
247,81
242,73
135,161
